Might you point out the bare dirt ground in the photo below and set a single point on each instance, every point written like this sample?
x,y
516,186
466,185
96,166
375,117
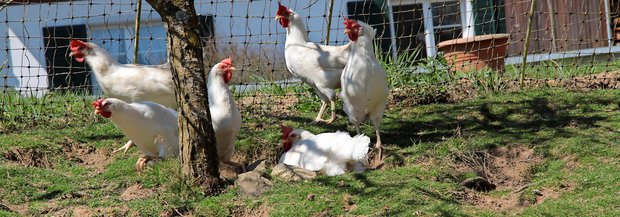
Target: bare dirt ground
x,y
464,89
510,168
80,153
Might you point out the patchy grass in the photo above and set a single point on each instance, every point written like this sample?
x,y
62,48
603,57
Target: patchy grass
x,y
570,141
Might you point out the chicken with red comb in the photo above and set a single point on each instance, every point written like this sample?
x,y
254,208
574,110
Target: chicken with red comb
x,y
364,82
330,153
317,65
151,126
225,116
127,82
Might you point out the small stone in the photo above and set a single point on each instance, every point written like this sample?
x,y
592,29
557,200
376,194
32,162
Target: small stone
x,y
291,173
537,192
348,203
252,184
259,166
310,197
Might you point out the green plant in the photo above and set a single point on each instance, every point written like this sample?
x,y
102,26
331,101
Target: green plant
x,y
485,80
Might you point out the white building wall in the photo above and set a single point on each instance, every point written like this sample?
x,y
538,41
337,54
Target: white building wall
x,y
252,26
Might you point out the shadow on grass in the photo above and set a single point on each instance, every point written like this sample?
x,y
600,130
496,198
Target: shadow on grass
x,y
510,121
415,194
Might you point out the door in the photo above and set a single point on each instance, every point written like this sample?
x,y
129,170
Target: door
x,y
64,73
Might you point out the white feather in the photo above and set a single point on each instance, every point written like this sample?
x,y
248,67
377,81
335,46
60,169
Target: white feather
x,y
129,82
151,126
225,115
364,81
317,65
327,152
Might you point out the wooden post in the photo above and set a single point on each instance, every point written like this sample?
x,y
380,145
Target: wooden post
x,y
329,21
137,31
526,43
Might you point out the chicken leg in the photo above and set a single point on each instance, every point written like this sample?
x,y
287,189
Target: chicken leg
x,y
378,161
333,117
124,148
319,117
141,163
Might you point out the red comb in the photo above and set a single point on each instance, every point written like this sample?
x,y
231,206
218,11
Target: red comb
x,y
227,61
97,103
349,23
285,130
282,10
75,45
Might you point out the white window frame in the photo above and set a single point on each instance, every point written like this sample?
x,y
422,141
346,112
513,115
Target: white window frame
x,y
467,21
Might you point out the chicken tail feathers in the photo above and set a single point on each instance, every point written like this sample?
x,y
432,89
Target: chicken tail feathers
x,y
355,149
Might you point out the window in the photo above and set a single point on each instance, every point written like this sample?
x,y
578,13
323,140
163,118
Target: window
x,y
490,17
64,73
446,20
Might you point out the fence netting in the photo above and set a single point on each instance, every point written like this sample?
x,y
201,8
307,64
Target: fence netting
x,y
41,85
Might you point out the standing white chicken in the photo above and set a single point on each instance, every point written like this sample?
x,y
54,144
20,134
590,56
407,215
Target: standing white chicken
x,y
329,153
151,126
317,65
225,116
364,81
127,82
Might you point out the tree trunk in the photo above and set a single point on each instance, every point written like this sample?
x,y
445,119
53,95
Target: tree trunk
x,y
198,150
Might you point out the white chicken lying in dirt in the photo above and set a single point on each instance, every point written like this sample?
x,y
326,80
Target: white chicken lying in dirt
x,y
127,82
330,153
364,81
151,126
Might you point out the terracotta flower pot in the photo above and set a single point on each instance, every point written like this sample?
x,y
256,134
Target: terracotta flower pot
x,y
476,53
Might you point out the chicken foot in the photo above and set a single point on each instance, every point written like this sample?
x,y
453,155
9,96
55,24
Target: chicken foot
x,y
141,163
378,161
124,148
319,117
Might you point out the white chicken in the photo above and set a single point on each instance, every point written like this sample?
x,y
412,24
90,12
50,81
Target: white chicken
x,y
127,82
329,153
317,65
225,115
151,126
364,81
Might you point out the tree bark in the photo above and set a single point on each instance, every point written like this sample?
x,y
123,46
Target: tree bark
x,y
198,150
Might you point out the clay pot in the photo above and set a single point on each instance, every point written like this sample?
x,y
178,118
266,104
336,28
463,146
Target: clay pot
x,y
476,53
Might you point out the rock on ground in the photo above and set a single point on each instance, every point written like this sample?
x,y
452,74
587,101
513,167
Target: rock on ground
x,y
291,173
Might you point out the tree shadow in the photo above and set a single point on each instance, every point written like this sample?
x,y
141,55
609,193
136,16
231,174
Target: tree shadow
x,y
494,118
419,193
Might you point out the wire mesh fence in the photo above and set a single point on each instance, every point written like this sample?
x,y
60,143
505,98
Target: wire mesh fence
x,y
41,85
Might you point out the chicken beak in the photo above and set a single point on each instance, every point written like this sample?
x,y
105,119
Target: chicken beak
x,y
71,54
279,17
233,69
97,111
347,31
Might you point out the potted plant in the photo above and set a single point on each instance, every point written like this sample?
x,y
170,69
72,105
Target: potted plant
x,y
475,53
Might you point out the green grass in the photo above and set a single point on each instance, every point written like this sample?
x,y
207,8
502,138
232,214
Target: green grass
x,y
575,133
